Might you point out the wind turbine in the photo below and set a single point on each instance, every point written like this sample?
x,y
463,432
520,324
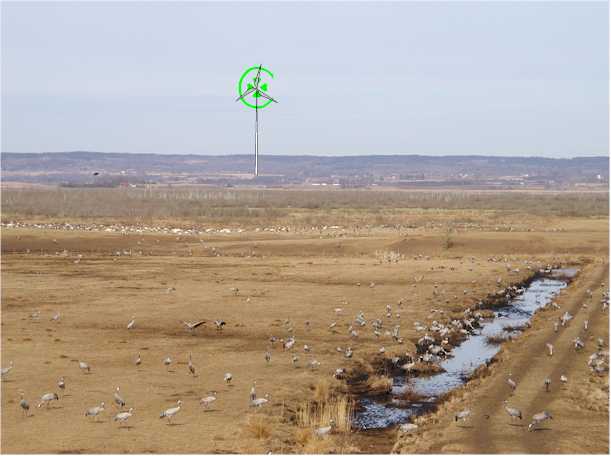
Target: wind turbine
x,y
256,90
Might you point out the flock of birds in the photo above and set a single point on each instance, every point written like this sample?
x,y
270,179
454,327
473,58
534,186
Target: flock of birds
x,y
430,350
598,363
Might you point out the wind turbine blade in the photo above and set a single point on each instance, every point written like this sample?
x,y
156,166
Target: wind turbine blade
x,y
267,96
257,77
248,92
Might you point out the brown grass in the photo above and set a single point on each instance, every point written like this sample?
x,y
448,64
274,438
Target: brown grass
x,y
259,426
322,390
315,415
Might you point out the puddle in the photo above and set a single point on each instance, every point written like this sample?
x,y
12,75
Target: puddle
x,y
377,413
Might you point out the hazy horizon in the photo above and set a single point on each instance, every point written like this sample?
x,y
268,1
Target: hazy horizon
x,y
436,79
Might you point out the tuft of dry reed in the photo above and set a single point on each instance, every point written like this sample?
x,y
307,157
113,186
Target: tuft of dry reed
x,y
318,414
259,426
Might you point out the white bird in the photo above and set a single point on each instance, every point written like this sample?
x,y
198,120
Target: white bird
x,y
132,323
295,360
118,398
167,362
348,352
260,401
95,411
539,418
84,367
564,379
228,377
512,411
5,370
585,325
61,384
307,349
462,416
207,401
556,326
122,417
325,430
25,407
548,382
268,357
408,428
47,398
314,364
55,317
219,324
550,349
171,412
253,391
138,360
578,344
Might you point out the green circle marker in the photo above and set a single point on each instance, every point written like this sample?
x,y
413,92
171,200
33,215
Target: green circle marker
x,y
242,88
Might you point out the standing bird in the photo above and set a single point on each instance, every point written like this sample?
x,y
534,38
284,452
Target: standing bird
x,y
462,416
167,362
564,379
550,349
55,317
138,360
84,367
119,399
268,357
132,323
25,407
61,384
295,360
190,366
539,418
95,411
5,370
512,411
253,391
228,377
585,325
207,401
259,401
578,344
47,398
122,417
556,326
219,324
325,430
512,384
548,383
171,412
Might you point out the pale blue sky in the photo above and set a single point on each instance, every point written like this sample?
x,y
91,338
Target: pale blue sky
x,y
490,78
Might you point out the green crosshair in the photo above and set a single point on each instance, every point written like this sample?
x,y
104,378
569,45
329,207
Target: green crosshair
x,y
251,86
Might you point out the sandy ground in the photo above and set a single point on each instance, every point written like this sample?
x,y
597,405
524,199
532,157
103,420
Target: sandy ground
x,y
280,277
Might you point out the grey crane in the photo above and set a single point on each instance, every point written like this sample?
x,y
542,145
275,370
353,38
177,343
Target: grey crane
x,y
207,401
463,415
61,384
84,367
122,417
228,377
119,399
325,430
538,418
132,323
25,407
548,382
171,412
5,370
512,384
268,357
47,398
95,411
512,411
190,366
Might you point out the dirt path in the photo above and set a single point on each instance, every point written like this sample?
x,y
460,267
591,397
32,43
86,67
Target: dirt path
x,y
580,408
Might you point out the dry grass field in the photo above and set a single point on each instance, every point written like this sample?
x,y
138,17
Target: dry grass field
x,y
285,262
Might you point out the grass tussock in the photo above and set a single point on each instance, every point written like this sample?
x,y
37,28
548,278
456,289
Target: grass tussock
x,y
259,426
498,339
313,415
322,391
379,384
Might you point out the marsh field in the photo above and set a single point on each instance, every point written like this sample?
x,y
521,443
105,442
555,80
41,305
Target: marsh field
x,y
280,265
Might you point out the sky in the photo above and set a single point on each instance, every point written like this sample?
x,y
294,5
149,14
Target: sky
x,y
430,78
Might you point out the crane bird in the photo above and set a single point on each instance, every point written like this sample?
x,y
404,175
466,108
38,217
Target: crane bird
x,y
512,411
548,382
5,370
95,411
512,384
167,361
61,384
578,343
25,407
253,391
564,379
119,399
132,323
191,325
219,324
259,401
295,360
171,412
47,398
207,401
84,367
314,364
556,326
462,416
268,357
55,317
228,377
585,325
138,360
550,349
325,430
190,366
122,417
538,418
